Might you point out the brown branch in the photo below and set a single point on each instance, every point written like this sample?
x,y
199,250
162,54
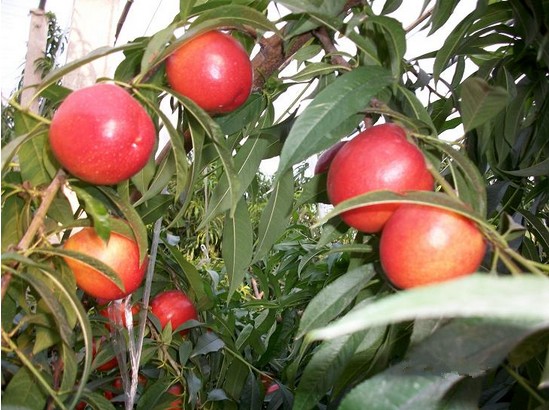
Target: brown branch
x,y
419,20
38,221
272,56
322,35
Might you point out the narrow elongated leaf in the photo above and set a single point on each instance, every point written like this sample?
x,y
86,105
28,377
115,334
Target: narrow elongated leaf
x,y
474,296
274,218
324,369
415,391
207,342
60,72
23,392
395,37
334,298
247,161
441,13
480,102
237,245
452,43
77,308
155,46
10,149
231,15
438,199
32,157
98,265
214,132
471,175
414,107
318,127
192,275
164,173
462,347
133,218
316,70
178,149
97,210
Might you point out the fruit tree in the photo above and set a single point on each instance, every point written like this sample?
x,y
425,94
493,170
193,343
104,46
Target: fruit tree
x,y
149,263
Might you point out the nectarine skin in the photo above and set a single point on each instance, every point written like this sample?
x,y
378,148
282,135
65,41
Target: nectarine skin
x,y
101,134
175,307
120,253
213,70
423,244
379,158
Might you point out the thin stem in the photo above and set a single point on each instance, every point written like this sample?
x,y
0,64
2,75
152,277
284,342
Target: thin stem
x,y
249,365
419,20
38,221
32,369
520,380
322,35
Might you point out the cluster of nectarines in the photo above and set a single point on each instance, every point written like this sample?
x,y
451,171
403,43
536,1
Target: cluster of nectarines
x,y
420,244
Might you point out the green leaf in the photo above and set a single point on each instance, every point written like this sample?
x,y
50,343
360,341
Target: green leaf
x,y
246,161
334,298
329,8
101,52
154,208
462,347
179,152
324,368
193,277
97,210
441,13
207,343
395,36
155,46
472,180
316,70
133,218
164,173
10,149
23,392
413,107
237,245
248,113
438,199
319,126
98,265
415,391
32,156
220,143
76,307
274,218
451,45
474,296
480,102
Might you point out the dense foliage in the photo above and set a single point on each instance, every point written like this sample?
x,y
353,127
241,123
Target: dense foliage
x,y
294,310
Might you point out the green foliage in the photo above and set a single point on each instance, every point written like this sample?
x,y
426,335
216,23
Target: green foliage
x,y
294,310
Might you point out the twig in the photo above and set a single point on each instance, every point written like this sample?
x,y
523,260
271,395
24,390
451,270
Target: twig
x,y
322,35
38,221
419,20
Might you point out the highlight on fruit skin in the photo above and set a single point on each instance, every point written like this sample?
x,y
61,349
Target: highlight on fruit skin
x,y
214,70
379,158
120,253
423,244
101,134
